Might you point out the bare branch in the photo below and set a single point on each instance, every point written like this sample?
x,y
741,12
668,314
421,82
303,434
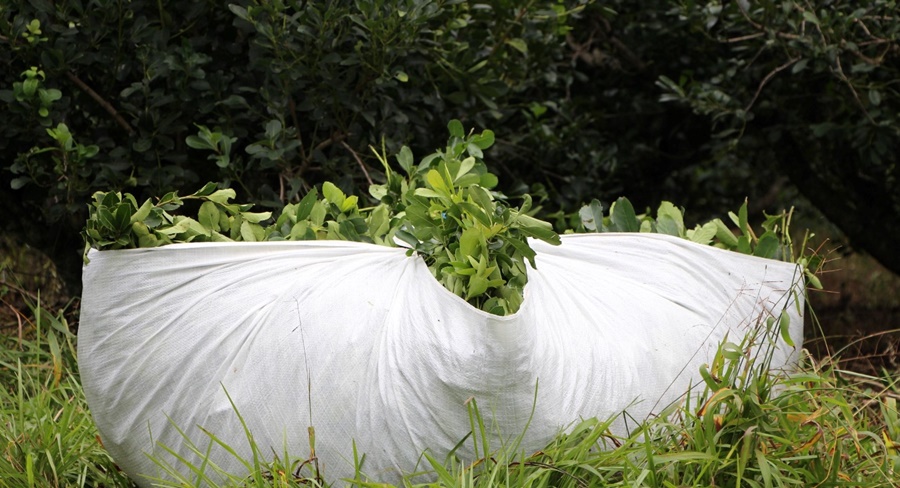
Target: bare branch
x,y
864,28
358,160
103,103
747,17
768,78
744,38
838,70
305,164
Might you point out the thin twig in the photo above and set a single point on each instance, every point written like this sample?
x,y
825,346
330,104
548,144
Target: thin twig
x,y
782,35
358,160
839,72
747,17
864,28
103,103
305,165
745,38
19,289
875,42
883,391
19,316
768,78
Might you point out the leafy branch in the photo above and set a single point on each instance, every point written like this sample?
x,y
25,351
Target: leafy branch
x,y
443,208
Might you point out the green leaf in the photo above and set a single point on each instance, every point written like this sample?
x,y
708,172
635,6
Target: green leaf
x,y
743,244
221,196
592,216
667,209
273,129
875,97
518,45
434,178
665,224
142,212
179,226
123,217
302,232
537,228
198,143
470,241
405,159
247,232
784,326
378,192
149,240
140,229
482,198
523,248
703,235
379,221
306,204
465,166
456,129
724,234
349,203
208,216
19,182
418,217
813,279
743,220
468,179
407,238
427,193
332,193
477,212
255,217
623,216
477,286
484,140
106,218
767,246
208,189
489,180
810,16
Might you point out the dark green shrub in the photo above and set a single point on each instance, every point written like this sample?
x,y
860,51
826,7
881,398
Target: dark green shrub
x,y
266,97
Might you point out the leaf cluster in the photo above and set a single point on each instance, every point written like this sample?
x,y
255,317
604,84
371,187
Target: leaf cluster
x,y
117,221
473,240
773,241
443,208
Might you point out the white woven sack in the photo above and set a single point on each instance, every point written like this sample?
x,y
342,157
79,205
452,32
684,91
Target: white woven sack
x,y
362,343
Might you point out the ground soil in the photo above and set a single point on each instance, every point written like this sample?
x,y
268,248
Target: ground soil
x,y
856,318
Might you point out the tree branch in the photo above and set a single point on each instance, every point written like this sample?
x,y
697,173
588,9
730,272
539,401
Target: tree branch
x,y
304,165
358,160
103,103
768,78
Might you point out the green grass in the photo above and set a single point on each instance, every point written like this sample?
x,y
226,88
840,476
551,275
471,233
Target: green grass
x,y
47,438
820,427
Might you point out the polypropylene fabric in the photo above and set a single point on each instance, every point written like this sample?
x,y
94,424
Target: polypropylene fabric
x,y
362,343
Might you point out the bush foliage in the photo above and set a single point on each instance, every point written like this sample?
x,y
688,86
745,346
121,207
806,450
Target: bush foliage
x,y
702,103
268,97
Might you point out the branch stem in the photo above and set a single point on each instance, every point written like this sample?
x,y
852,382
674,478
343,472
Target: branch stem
x,y
99,99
